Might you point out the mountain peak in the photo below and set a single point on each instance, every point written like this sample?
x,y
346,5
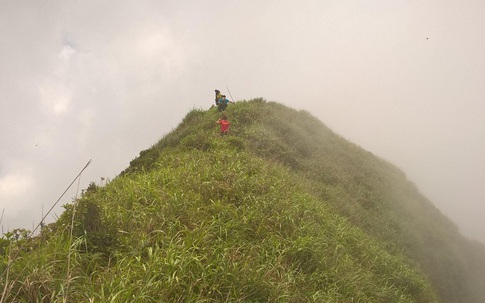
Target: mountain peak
x,y
281,209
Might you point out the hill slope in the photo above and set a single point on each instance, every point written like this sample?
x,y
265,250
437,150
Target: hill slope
x,y
281,210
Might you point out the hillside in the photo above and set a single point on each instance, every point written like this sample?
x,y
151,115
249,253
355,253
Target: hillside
x,y
280,210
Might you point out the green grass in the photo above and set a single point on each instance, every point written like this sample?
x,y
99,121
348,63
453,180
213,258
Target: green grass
x,y
281,210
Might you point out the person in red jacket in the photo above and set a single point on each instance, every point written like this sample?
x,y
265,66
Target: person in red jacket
x,y
224,125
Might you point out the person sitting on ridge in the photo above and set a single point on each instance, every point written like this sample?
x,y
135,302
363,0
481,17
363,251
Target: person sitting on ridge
x,y
223,103
224,123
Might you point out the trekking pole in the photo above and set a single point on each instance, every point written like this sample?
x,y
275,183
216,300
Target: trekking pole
x,y
230,93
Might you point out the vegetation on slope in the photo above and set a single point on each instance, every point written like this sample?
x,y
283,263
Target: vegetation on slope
x,y
282,210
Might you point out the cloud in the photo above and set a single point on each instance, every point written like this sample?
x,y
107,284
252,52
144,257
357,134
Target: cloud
x,y
14,185
54,92
55,96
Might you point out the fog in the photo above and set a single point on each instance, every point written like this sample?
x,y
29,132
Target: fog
x,y
83,80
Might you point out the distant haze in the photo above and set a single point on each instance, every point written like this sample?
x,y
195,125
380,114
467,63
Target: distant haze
x,y
104,80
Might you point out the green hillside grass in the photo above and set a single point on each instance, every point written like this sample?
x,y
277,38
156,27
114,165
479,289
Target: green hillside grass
x,y
280,210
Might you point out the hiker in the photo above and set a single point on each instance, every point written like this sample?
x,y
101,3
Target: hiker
x,y
224,125
218,96
223,103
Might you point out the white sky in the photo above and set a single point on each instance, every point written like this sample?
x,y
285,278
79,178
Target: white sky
x,y
104,80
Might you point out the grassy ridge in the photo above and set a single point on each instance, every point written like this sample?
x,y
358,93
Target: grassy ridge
x,y
282,210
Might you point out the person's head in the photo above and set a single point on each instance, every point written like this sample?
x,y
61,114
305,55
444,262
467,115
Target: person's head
x,y
224,117
223,96
217,91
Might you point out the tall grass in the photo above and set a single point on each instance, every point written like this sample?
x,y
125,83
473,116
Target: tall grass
x,y
281,210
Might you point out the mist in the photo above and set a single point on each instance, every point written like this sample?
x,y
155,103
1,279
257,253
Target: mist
x,y
103,81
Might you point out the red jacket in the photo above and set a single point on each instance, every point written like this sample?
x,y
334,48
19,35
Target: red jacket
x,y
224,125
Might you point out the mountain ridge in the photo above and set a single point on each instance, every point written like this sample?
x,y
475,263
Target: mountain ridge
x,y
281,210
